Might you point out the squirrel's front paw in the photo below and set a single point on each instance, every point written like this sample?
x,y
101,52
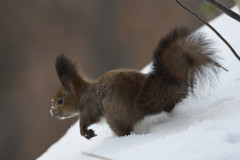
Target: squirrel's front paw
x,y
88,134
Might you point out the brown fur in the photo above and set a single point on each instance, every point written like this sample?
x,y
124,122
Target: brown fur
x,y
124,97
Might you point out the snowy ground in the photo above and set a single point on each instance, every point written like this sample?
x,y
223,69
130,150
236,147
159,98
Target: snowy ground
x,y
203,127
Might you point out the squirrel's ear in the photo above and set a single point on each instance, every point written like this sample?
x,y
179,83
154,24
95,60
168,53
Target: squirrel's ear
x,y
66,71
67,82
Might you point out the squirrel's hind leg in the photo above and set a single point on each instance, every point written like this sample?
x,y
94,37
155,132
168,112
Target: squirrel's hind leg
x,y
121,129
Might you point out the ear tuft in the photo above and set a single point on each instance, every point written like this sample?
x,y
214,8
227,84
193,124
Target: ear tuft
x,y
65,67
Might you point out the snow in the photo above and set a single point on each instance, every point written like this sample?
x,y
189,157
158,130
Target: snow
x,y
204,126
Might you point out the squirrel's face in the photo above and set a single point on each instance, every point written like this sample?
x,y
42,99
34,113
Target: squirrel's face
x,y
64,105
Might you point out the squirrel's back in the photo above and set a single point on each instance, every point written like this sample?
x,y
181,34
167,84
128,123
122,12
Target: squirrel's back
x,y
179,62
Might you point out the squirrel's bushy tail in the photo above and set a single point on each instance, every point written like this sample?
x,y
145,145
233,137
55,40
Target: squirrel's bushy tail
x,y
180,60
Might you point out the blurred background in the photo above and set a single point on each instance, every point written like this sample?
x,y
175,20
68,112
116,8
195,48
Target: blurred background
x,y
99,35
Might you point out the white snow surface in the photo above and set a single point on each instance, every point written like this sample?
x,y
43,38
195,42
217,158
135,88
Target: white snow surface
x,y
205,126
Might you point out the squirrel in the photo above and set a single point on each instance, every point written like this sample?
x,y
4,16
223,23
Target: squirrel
x,y
124,96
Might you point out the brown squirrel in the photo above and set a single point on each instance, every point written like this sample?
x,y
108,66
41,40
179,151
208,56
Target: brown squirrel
x,y
124,97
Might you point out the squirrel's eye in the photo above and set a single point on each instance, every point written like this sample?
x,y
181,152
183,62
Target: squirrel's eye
x,y
60,101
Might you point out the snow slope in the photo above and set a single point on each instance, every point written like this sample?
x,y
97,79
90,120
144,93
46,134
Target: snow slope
x,y
205,126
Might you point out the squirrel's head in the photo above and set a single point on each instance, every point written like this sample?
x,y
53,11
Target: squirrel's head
x,y
65,102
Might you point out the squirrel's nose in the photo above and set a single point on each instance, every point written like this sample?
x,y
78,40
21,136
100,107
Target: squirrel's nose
x,y
55,112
